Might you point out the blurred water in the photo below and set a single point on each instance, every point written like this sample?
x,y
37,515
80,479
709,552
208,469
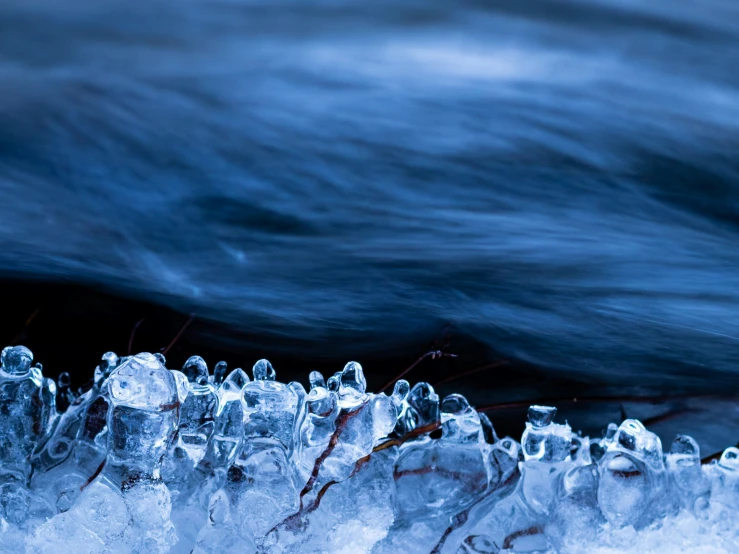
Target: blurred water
x,y
558,179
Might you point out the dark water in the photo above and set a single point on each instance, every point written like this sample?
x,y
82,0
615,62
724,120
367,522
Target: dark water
x,y
558,180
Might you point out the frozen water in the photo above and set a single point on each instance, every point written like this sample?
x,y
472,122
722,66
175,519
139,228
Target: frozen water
x,y
156,460
263,371
219,373
632,482
125,507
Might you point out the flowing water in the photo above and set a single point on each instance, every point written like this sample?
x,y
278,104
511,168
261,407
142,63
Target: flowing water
x,y
557,179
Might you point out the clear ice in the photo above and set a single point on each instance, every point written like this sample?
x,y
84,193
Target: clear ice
x,y
154,460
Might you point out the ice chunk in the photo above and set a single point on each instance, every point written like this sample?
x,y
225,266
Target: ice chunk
x,y
518,521
632,484
229,423
724,477
195,369
546,450
541,416
334,381
263,371
109,521
107,364
353,515
316,430
425,404
436,477
261,483
16,360
270,409
264,467
75,450
401,390
196,424
438,482
688,484
420,409
219,373
316,380
190,509
27,411
460,423
126,508
488,432
64,394
145,401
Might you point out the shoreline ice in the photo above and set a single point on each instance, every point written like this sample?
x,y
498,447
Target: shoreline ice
x,y
157,460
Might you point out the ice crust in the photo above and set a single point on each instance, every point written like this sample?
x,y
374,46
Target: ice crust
x,y
153,460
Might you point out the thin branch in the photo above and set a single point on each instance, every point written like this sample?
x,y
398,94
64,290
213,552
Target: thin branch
x,y
530,532
302,510
671,414
433,353
133,334
26,324
462,517
470,372
179,334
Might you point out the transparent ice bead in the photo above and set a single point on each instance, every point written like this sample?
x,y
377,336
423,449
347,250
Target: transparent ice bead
x,y
106,366
316,380
546,449
195,369
270,409
27,410
145,400
460,422
724,476
352,386
196,424
631,488
436,478
228,428
420,410
688,483
219,373
316,429
263,371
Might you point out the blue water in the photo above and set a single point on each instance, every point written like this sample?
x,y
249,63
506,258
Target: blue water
x,y
558,179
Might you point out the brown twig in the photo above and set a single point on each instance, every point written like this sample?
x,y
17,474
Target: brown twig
x,y
341,422
357,466
462,517
92,477
133,334
433,353
382,446
451,378
530,532
179,334
19,335
671,414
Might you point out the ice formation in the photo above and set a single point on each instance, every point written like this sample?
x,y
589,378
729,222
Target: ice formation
x,y
153,460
